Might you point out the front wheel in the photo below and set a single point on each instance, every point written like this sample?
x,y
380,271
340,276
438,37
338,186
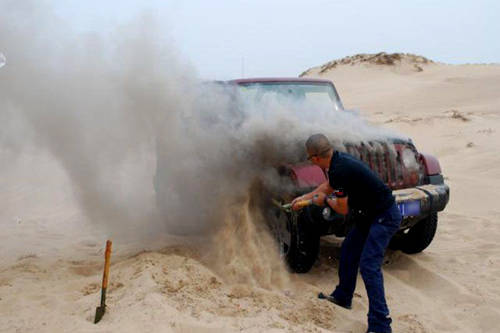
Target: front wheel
x,y
298,240
418,237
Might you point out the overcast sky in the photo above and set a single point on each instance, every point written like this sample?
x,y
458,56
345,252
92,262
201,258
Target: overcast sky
x,y
234,38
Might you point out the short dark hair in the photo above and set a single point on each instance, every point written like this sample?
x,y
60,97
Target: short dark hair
x,y
319,145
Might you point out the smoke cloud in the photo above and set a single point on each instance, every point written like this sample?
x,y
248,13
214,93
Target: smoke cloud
x,y
147,145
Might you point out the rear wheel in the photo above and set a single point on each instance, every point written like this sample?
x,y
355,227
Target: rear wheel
x,y
418,237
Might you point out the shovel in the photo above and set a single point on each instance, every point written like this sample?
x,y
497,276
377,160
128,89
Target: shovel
x,y
99,311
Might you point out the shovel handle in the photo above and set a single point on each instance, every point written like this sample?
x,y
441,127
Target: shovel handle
x,y
107,256
303,203
300,204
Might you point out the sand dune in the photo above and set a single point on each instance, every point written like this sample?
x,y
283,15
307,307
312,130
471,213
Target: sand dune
x,y
453,112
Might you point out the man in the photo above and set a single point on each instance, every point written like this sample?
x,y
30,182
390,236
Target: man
x,y
352,187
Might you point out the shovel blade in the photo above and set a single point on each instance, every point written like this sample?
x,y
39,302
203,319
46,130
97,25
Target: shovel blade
x,y
99,312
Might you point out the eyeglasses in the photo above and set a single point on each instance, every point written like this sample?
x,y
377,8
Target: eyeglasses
x,y
309,158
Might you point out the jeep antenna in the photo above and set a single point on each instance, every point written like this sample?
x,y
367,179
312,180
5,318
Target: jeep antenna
x,y
243,66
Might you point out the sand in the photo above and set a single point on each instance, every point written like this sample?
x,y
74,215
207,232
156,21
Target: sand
x,y
453,112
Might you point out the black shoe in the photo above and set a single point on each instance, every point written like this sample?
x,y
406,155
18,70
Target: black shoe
x,y
335,301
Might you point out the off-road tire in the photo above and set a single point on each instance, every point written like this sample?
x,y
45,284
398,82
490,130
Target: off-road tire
x,y
418,237
304,245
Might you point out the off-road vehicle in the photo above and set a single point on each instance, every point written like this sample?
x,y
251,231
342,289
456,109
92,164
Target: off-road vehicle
x,y
415,178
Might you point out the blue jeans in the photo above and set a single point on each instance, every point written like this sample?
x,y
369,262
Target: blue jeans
x,y
364,248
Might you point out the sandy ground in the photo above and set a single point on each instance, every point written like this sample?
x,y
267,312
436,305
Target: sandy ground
x,y
52,284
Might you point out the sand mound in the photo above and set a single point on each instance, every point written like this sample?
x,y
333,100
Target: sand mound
x,y
412,61
173,289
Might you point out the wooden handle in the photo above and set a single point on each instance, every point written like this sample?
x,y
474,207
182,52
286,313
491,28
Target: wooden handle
x,y
107,256
303,203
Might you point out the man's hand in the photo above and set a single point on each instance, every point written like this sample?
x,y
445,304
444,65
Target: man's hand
x,y
302,201
319,199
294,202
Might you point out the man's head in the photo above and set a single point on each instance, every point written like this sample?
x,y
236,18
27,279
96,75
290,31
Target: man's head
x,y
319,150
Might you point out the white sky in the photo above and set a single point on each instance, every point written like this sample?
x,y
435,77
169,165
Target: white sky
x,y
228,39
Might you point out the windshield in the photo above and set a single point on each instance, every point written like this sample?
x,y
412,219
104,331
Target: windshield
x,y
316,94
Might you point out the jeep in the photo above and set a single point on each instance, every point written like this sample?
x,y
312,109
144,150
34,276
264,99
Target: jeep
x,y
415,178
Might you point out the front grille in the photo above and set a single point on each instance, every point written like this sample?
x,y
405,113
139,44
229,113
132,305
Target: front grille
x,y
399,165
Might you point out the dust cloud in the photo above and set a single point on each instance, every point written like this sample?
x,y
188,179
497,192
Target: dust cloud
x,y
149,147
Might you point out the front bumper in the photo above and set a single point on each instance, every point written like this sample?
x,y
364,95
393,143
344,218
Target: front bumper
x,y
432,197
